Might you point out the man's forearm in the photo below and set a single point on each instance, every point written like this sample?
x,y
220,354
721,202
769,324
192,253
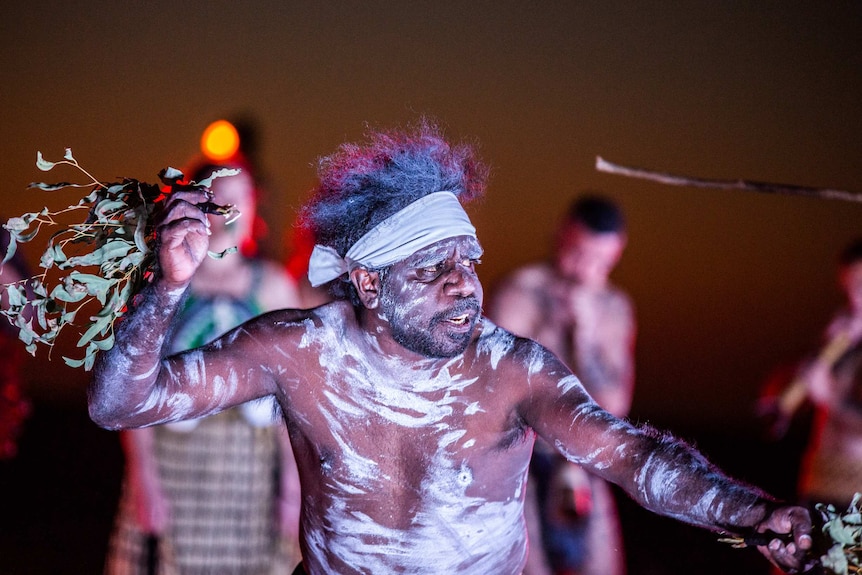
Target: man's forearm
x,y
677,481
123,376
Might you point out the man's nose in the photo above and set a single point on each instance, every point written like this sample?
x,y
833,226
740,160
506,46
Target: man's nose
x,y
461,281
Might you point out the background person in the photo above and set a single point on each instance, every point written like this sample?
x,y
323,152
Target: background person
x,y
831,382
220,493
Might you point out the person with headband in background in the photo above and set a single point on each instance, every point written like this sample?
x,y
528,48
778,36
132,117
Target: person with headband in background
x,y
412,416
216,494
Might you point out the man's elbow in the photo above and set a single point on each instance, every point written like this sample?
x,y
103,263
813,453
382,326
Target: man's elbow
x,y
103,413
104,418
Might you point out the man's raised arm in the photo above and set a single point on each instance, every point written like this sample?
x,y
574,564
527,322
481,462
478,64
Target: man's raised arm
x,y
124,377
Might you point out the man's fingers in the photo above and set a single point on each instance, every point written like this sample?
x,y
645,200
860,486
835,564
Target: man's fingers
x,y
183,210
801,527
190,196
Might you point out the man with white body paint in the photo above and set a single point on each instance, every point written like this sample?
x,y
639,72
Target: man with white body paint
x,y
411,416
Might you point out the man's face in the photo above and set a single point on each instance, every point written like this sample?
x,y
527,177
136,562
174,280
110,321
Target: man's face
x,y
587,257
433,299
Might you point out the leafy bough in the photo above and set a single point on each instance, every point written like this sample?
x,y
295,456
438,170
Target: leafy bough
x,y
106,258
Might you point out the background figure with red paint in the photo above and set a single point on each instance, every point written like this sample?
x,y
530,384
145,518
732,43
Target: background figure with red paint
x,y
219,494
568,305
14,407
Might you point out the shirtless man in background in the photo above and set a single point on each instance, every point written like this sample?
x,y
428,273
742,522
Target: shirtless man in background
x,y
568,305
412,417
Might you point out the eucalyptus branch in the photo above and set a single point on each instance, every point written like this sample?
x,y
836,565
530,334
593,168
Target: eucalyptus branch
x,y
102,261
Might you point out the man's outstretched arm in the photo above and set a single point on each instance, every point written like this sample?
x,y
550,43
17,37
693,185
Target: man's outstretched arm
x,y
123,387
660,472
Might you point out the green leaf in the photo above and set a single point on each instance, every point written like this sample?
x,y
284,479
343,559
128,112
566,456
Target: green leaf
x,y
39,288
89,359
132,260
140,231
18,224
26,333
57,253
835,560
170,176
68,155
221,173
100,323
10,250
96,285
112,250
74,362
24,238
106,206
47,259
60,293
49,187
16,295
839,532
105,344
40,316
43,164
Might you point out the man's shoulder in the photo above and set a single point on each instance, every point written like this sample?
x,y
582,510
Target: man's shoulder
x,y
497,344
331,316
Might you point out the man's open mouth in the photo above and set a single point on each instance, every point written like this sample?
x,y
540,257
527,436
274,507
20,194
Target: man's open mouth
x,y
460,320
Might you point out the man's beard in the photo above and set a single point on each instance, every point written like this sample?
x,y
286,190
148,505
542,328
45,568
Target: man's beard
x,y
426,340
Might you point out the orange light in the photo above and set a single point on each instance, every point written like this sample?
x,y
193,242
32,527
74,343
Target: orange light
x,y
220,141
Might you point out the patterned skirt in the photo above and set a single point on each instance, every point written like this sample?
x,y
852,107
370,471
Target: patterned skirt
x,y
221,481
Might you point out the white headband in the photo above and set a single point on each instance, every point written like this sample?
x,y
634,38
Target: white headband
x,y
432,218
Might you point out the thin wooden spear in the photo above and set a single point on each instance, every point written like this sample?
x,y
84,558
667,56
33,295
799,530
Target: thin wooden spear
x,y
603,165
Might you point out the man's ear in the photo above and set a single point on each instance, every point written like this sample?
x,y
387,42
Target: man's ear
x,y
367,284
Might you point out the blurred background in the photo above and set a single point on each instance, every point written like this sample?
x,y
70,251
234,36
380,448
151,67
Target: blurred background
x,y
727,285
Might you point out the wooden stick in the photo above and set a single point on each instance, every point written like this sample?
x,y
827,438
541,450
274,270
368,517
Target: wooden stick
x,y
603,165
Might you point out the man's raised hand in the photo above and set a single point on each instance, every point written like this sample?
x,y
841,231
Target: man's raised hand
x,y
183,237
